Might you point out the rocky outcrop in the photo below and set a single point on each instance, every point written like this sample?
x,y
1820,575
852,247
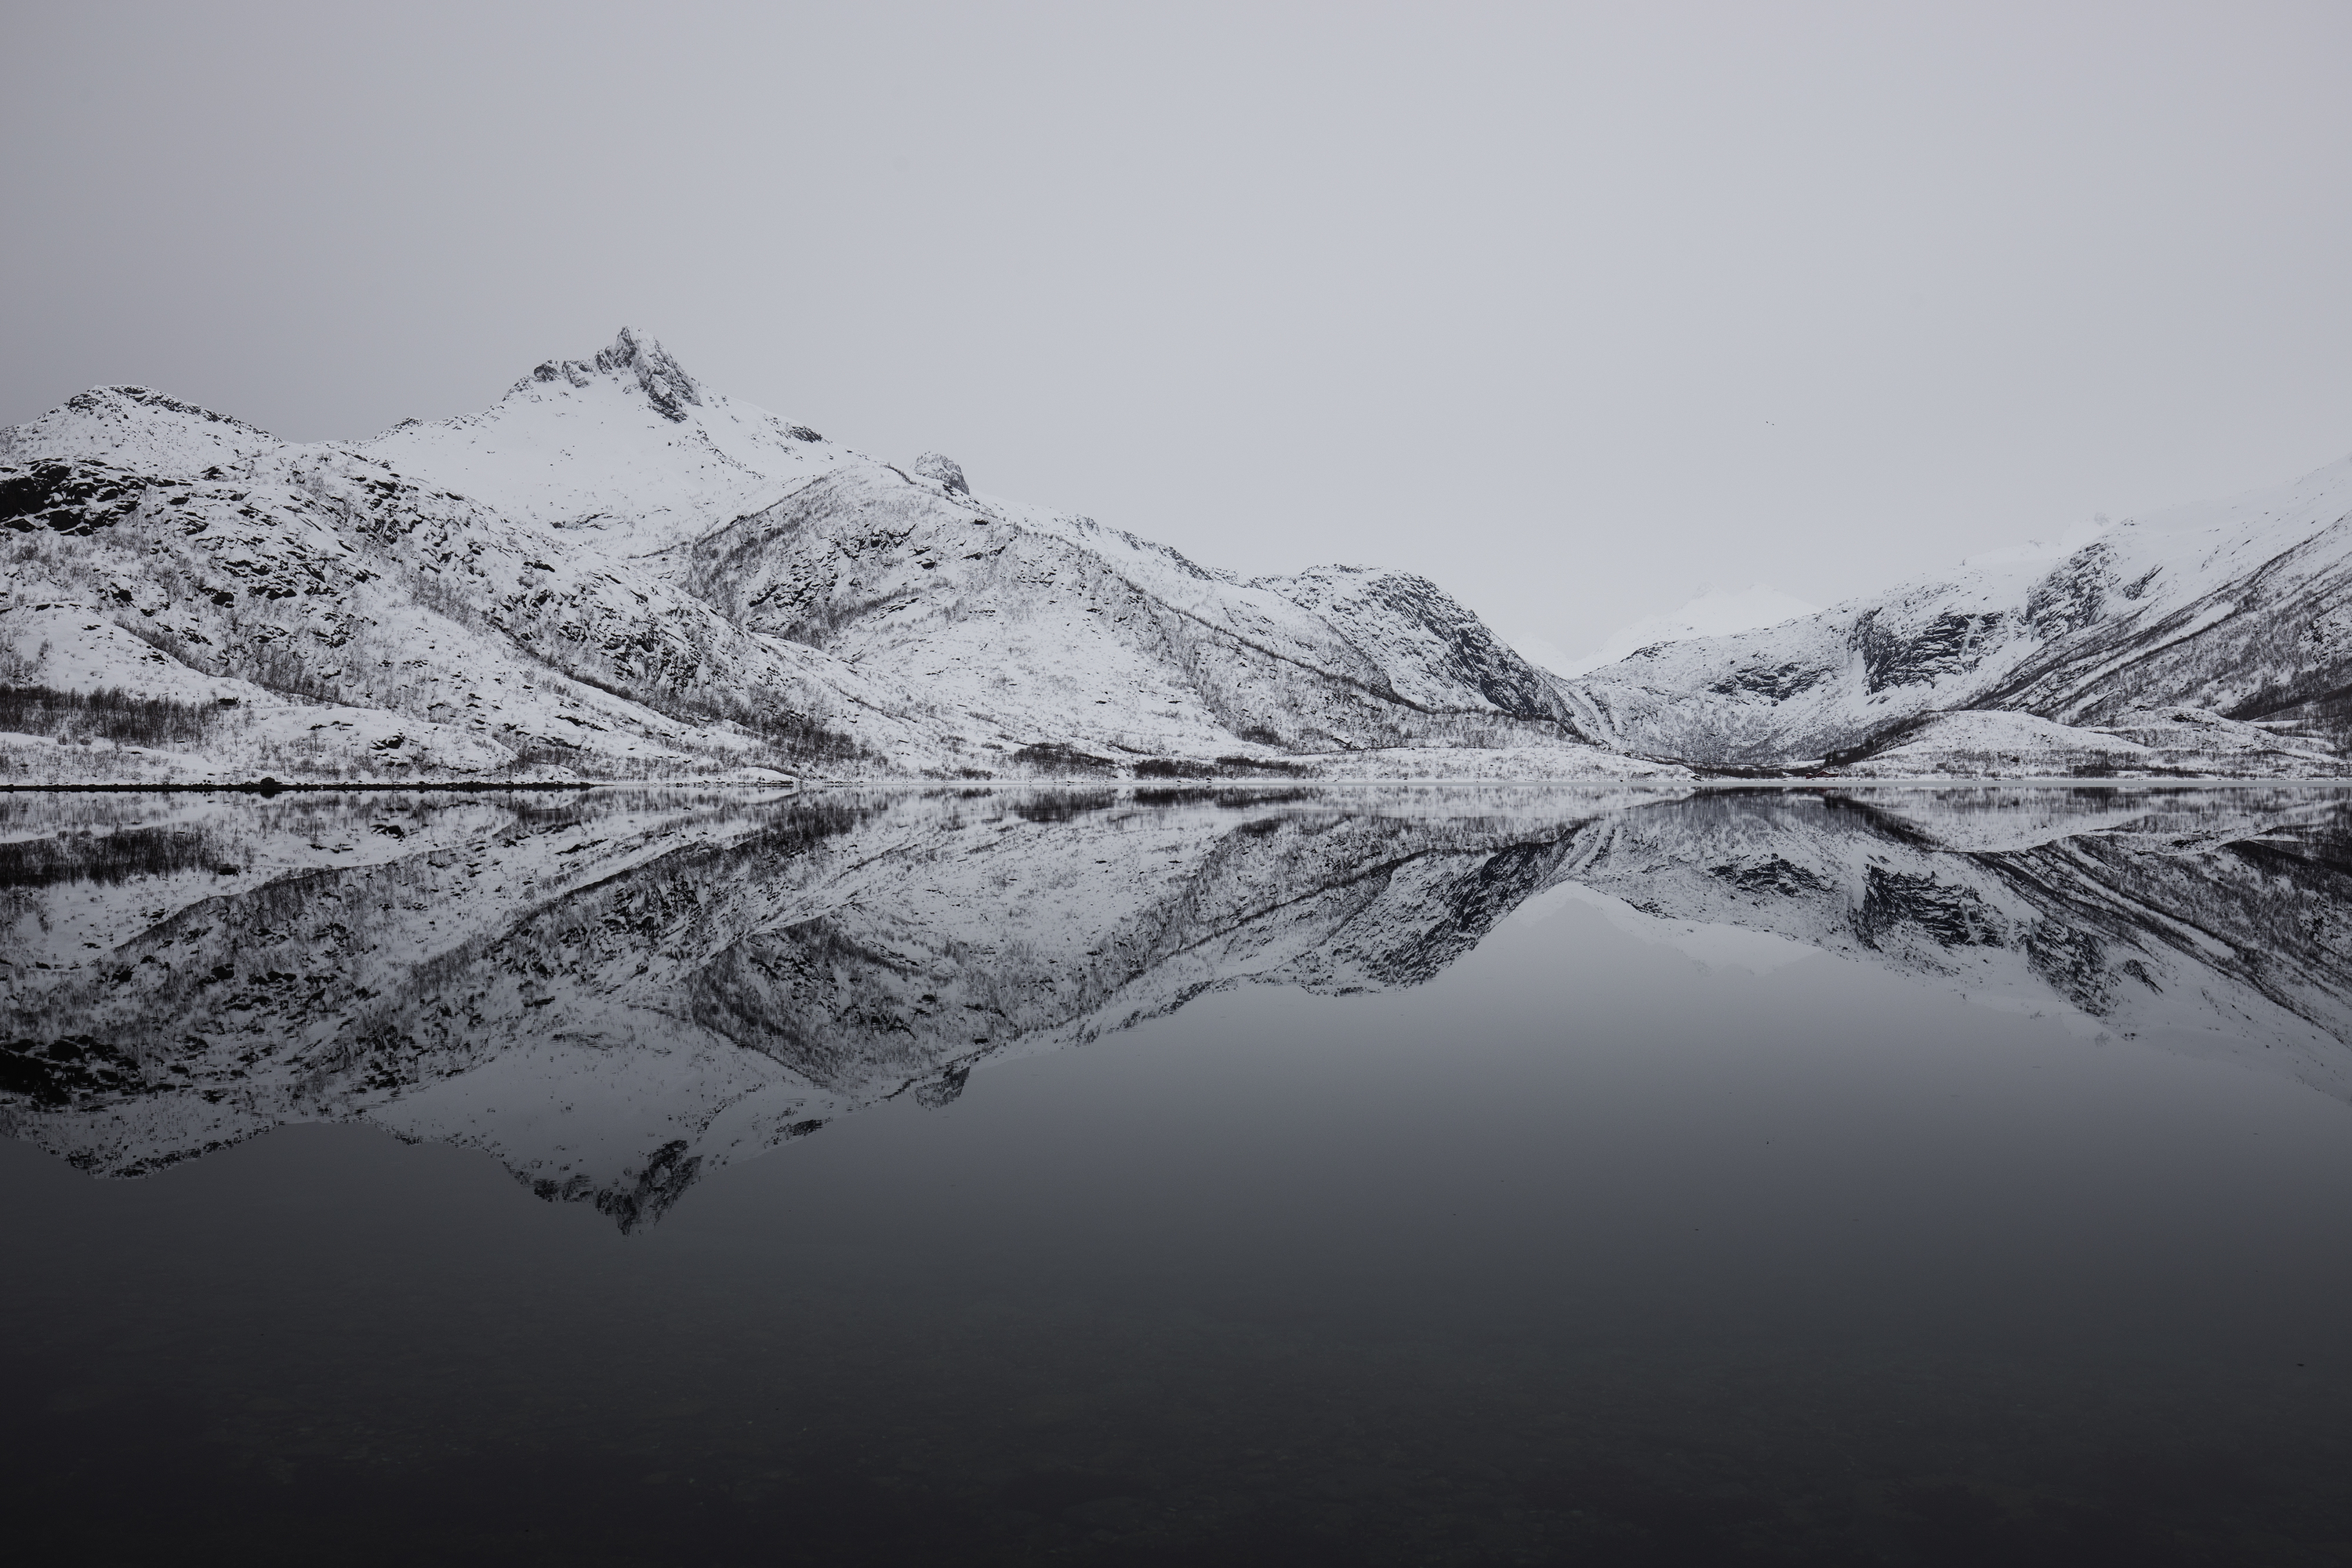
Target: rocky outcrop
x,y
947,471
662,380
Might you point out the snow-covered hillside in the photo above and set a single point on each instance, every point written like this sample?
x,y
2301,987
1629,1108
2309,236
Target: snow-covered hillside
x,y
2214,638
616,571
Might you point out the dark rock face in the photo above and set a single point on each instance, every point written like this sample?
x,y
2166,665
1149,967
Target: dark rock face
x,y
2075,963
946,470
1948,915
72,499
1950,644
659,376
1474,654
55,1073
1770,874
2072,597
1777,681
664,380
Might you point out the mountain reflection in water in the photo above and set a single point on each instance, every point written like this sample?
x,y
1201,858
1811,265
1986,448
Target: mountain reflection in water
x,y
1365,1176
619,992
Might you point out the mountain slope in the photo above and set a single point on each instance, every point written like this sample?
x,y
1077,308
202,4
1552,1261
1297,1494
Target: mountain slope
x,y
618,571
2240,611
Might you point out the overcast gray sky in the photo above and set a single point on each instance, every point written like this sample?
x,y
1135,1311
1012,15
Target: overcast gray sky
x,y
1572,308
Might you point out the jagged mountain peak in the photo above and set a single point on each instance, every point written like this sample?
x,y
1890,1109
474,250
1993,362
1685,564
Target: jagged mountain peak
x,y
657,373
627,442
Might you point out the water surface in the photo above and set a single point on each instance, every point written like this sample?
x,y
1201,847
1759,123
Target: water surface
x,y
1351,1176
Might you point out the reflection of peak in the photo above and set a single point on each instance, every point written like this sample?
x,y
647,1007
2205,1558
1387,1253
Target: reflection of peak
x,y
2216,914
648,994
618,996
662,1183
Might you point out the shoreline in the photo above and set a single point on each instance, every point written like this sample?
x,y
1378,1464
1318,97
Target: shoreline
x,y
267,788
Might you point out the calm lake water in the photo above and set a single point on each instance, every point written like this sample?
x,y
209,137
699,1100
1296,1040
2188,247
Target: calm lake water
x,y
1354,1176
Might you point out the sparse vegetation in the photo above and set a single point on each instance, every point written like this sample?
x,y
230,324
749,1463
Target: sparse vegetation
x,y
1052,757
106,714
1064,807
1174,768
1246,767
797,737
107,859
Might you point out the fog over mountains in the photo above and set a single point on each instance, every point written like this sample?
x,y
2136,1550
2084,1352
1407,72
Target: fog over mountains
x,y
616,571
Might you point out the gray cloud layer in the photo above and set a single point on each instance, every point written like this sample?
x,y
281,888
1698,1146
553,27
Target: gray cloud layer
x,y
1570,308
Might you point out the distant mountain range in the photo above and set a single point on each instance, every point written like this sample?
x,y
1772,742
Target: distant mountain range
x,y
619,573
2210,638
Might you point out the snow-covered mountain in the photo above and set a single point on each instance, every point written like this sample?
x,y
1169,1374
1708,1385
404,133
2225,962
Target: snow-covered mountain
x,y
618,571
617,992
2214,638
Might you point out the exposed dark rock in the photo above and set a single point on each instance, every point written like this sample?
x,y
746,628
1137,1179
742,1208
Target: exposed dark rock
x,y
1948,914
1950,644
72,499
2072,596
659,376
946,470
1771,875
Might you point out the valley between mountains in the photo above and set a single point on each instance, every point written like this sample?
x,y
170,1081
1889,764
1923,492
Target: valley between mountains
x,y
616,573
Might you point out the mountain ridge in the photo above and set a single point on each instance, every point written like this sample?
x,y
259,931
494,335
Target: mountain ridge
x,y
618,571
685,585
